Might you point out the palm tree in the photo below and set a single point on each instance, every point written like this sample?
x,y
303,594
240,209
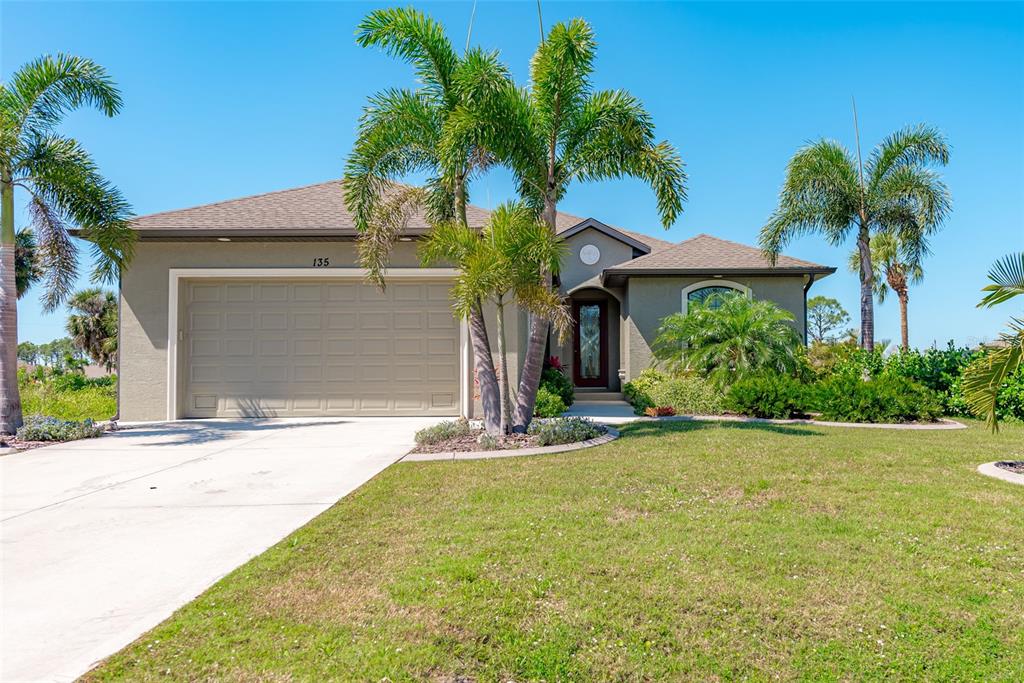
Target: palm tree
x,y
63,185
984,377
400,133
896,265
727,337
499,265
559,131
93,325
26,268
830,192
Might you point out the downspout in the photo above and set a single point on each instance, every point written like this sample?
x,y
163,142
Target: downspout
x,y
810,281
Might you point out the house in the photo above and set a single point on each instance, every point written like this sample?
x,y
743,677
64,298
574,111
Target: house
x,y
256,306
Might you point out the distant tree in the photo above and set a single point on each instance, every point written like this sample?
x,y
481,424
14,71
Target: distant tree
x,y
824,316
896,261
728,337
28,353
828,191
93,325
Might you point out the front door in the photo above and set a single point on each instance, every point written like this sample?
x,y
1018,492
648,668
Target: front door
x,y
590,344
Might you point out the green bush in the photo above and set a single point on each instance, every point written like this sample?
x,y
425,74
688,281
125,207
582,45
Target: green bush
x,y
888,398
564,430
68,396
771,396
449,429
555,381
548,404
638,391
691,395
43,428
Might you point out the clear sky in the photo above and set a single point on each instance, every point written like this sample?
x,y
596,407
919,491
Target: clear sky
x,y
229,99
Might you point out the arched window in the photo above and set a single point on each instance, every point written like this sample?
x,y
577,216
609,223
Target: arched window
x,y
699,292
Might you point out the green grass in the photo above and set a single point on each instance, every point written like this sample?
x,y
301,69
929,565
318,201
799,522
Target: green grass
x,y
682,551
96,402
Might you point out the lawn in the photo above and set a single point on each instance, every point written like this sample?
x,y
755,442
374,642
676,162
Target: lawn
x,y
681,551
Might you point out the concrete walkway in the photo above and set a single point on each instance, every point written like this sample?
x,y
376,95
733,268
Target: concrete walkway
x,y
605,412
102,539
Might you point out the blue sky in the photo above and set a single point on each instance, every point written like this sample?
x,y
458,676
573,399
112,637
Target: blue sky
x,y
230,99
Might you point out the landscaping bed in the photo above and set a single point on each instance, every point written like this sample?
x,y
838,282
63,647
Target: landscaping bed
x,y
463,436
1015,466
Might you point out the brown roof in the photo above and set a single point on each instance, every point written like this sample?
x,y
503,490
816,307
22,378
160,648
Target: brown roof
x,y
706,254
303,211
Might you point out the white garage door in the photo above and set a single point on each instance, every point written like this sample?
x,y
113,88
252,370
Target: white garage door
x,y
331,347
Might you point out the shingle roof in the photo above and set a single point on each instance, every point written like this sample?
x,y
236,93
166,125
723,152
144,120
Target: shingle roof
x,y
311,210
704,253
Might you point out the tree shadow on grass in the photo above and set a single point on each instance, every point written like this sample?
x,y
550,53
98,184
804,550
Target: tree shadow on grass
x,y
660,427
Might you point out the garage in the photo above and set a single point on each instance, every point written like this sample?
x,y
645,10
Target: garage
x,y
275,347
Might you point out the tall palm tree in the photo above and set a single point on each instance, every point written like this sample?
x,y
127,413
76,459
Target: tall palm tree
x,y
400,133
829,191
558,131
896,265
63,186
499,265
93,325
727,337
984,377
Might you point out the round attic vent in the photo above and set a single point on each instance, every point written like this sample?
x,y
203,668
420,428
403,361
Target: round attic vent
x,y
590,254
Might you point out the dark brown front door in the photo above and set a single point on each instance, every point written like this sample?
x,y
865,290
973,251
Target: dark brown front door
x,y
590,344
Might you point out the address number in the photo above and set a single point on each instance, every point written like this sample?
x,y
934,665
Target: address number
x,y
321,262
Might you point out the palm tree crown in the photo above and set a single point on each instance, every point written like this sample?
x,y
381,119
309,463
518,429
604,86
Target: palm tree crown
x,y
896,265
828,192
93,325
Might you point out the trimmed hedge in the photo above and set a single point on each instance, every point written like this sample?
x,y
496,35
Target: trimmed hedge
x,y
548,404
691,395
770,396
888,398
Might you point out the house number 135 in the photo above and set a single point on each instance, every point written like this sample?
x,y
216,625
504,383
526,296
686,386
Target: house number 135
x,y
321,262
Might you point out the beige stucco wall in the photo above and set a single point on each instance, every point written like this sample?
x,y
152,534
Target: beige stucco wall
x,y
574,272
144,302
649,299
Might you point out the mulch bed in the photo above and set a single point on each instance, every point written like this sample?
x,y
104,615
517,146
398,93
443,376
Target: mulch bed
x,y
12,442
468,443
1015,466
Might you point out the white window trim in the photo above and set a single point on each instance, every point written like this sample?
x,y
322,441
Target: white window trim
x,y
175,275
717,282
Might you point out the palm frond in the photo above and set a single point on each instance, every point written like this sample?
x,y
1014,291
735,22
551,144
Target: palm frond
x,y
55,254
26,266
389,219
913,146
913,192
983,378
560,71
42,92
1007,276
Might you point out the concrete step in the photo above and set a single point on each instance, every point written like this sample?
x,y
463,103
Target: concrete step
x,y
592,396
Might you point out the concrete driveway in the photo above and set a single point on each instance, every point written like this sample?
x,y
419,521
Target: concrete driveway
x,y
102,539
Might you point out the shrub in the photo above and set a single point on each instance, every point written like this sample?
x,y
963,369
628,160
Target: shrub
x,y
43,428
771,396
548,404
564,430
487,442
661,411
688,396
555,381
888,398
449,429
68,396
638,391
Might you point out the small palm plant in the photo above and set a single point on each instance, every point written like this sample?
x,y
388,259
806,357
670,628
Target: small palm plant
x,y
828,191
984,377
500,266
93,325
727,337
896,261
63,187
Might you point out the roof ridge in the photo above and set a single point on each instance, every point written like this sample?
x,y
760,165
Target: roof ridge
x,y
238,199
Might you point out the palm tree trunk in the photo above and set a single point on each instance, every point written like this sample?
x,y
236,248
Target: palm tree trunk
x,y
904,333
10,400
504,387
867,304
533,364
484,364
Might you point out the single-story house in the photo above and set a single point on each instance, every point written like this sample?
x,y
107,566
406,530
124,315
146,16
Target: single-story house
x,y
257,306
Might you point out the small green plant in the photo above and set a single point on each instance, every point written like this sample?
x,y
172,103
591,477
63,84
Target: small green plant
x,y
771,396
564,430
888,398
488,442
449,429
549,404
638,391
43,428
691,395
554,380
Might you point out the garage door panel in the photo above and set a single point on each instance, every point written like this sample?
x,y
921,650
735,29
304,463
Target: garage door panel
x,y
319,348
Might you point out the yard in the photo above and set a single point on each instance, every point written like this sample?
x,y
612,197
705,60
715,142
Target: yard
x,y
683,550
